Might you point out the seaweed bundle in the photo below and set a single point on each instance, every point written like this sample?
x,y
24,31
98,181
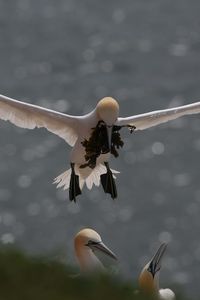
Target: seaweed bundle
x,y
98,144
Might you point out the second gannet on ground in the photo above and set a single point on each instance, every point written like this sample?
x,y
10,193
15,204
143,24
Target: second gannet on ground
x,y
87,242
149,277
93,136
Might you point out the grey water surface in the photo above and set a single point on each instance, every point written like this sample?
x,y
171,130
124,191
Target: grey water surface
x,y
66,55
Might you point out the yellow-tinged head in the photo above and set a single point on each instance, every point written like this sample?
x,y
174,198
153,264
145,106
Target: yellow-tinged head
x,y
108,110
84,236
86,243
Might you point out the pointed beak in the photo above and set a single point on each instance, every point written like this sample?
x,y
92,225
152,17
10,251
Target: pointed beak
x,y
100,246
109,130
155,263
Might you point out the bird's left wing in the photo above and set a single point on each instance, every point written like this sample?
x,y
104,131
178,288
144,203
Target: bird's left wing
x,y
30,116
157,117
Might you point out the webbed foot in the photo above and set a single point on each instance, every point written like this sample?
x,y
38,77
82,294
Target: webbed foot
x,y
74,187
108,182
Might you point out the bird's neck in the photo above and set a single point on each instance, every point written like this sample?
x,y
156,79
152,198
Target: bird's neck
x,y
149,285
88,261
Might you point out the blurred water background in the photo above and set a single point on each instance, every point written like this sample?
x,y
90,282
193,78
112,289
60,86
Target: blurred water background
x,y
66,55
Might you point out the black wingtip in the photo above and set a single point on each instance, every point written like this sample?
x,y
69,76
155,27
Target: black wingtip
x,y
108,184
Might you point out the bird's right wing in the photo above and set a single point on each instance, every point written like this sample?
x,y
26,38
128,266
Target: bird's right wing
x,y
157,117
30,116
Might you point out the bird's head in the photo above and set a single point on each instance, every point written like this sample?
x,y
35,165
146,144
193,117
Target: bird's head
x,y
108,110
88,239
149,277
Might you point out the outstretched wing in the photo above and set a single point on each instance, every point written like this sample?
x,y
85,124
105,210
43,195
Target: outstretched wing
x,y
30,116
157,117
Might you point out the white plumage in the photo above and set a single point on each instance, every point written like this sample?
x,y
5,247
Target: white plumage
x,y
93,177
147,120
166,294
75,129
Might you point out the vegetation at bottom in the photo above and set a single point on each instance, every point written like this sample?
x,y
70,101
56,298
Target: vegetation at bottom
x,y
24,277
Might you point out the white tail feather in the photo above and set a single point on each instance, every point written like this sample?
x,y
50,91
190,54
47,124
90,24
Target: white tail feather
x,y
86,175
63,180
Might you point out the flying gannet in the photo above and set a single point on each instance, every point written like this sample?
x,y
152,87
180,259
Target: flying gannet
x,y
87,242
149,278
93,137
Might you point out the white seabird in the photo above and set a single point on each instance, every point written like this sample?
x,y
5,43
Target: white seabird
x,y
87,242
149,278
93,137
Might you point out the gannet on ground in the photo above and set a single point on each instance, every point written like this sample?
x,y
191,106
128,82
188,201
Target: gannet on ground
x,y
86,243
149,278
93,136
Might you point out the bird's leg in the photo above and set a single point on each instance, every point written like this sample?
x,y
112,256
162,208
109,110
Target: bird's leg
x,y
74,188
108,182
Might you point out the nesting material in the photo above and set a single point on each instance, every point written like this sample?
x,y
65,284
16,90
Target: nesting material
x,y
98,144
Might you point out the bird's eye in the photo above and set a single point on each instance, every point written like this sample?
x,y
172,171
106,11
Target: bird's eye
x,y
91,243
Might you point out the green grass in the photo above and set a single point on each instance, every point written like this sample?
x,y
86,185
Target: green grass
x,y
26,278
